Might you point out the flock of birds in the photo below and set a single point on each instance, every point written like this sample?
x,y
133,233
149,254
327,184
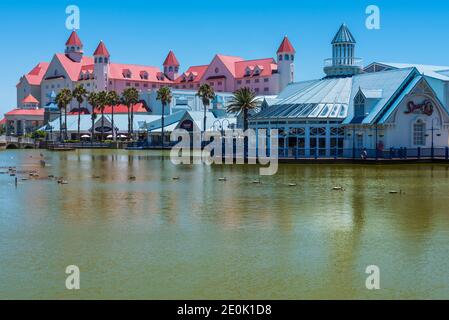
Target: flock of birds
x,y
12,171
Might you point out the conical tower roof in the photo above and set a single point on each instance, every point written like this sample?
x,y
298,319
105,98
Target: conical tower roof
x,y
74,40
343,35
101,50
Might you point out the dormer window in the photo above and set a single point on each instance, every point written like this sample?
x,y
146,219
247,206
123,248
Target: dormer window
x,y
359,105
144,75
248,71
127,73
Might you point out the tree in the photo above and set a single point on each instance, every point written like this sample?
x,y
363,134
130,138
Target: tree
x,y
164,94
101,104
92,98
63,99
130,97
243,100
79,94
112,99
206,93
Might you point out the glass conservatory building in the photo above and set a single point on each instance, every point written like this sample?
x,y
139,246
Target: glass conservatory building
x,y
354,110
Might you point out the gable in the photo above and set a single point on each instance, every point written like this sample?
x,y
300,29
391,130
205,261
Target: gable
x,y
420,101
218,68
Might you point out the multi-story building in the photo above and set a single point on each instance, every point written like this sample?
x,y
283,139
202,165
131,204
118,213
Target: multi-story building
x,y
267,76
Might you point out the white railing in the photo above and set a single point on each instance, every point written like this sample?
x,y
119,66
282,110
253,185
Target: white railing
x,y
336,62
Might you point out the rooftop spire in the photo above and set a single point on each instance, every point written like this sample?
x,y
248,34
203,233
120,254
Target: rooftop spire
x,y
171,60
74,40
101,50
343,35
286,46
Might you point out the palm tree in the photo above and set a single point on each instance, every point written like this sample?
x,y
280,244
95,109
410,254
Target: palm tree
x,y
101,104
243,100
206,93
63,99
130,97
79,94
112,99
164,94
92,98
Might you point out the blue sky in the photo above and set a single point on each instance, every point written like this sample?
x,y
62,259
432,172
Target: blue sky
x,y
142,32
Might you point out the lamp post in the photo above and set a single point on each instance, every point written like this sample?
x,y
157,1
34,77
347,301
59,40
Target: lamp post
x,y
432,129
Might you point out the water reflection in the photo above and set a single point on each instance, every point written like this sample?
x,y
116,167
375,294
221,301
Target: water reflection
x,y
183,238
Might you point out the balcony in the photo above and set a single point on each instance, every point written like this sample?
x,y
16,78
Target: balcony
x,y
343,62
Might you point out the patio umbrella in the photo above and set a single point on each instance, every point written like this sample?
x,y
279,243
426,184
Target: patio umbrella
x,y
109,136
85,136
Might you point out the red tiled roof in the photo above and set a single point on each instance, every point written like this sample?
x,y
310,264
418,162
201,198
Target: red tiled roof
x,y
286,46
101,50
171,60
30,99
116,71
229,62
3,121
34,77
73,68
265,66
25,112
74,40
121,108
196,71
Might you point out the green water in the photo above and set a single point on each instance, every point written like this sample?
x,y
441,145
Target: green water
x,y
200,238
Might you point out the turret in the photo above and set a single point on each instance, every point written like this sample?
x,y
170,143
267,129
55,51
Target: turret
x,y
74,47
343,63
286,65
171,66
101,66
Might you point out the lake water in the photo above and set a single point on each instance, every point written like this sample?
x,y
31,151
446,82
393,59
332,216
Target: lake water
x,y
201,238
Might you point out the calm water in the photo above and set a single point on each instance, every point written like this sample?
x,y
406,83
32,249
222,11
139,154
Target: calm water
x,y
197,237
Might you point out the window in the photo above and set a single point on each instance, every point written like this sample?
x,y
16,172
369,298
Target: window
x,y
292,57
265,89
256,80
419,133
248,81
239,81
265,80
170,69
145,85
280,57
220,83
359,105
286,57
217,70
256,89
128,84
137,85
105,60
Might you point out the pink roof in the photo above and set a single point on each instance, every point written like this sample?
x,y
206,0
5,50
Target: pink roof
x,y
34,77
171,60
121,108
265,66
25,112
73,68
3,121
286,46
30,99
229,62
116,71
101,50
74,40
196,71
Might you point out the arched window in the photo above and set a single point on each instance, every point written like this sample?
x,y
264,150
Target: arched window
x,y
170,69
100,60
419,133
359,105
292,57
280,57
105,60
286,56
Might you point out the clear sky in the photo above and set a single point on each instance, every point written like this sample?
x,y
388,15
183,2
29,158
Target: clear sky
x,y
142,32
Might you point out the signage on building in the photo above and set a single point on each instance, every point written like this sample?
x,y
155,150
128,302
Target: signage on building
x,y
426,107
